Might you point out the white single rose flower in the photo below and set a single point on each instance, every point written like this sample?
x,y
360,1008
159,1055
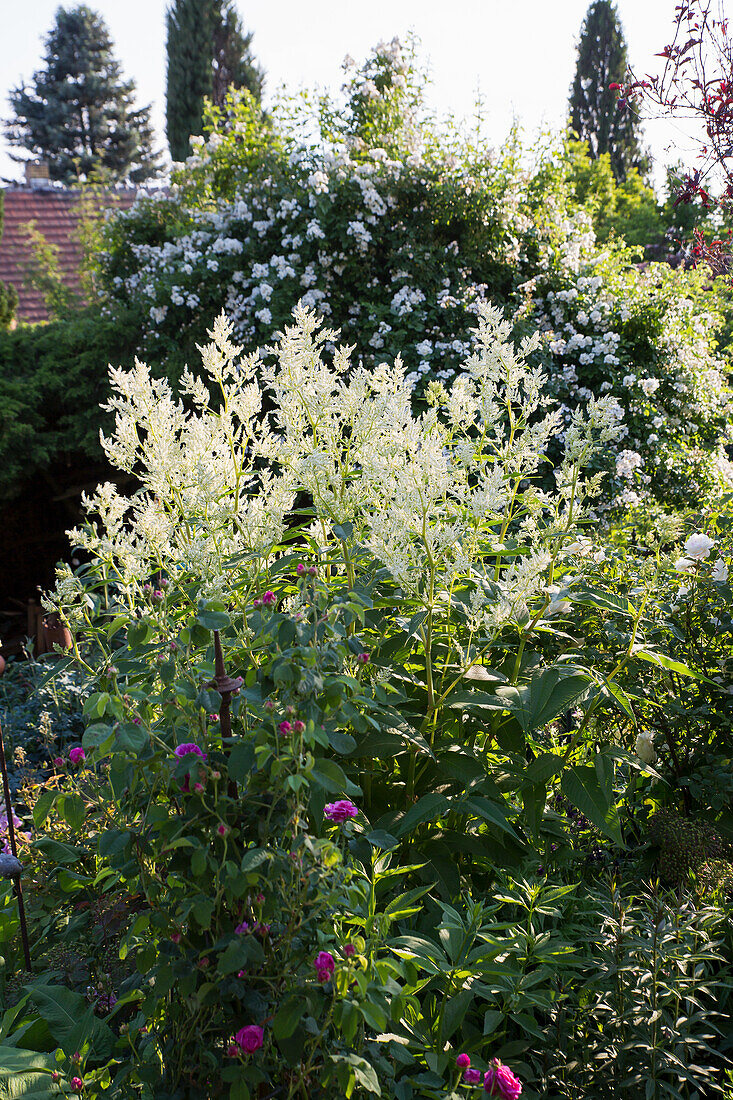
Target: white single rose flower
x,y
699,546
720,572
645,747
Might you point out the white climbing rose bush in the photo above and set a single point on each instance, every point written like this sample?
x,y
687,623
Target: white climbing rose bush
x,y
396,232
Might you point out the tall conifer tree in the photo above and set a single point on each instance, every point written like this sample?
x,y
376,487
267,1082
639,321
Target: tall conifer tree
x,y
78,113
207,53
594,112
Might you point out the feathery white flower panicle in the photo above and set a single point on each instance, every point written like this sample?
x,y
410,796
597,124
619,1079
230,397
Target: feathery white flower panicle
x,y
437,497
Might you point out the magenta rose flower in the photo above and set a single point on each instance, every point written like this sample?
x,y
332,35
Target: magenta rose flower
x,y
77,755
325,965
189,749
341,811
500,1081
249,1038
463,1061
472,1077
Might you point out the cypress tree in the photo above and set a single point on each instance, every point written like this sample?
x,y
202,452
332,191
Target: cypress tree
x,y
594,112
78,113
207,53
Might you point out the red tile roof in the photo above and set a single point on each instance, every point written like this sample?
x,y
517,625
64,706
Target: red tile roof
x,y
56,215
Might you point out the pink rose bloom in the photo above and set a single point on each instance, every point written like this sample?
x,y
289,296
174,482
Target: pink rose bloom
x,y
341,811
500,1081
188,749
250,1038
325,965
77,755
285,727
472,1077
76,1084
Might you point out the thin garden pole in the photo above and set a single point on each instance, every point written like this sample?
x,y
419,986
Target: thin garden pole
x,y
14,874
226,686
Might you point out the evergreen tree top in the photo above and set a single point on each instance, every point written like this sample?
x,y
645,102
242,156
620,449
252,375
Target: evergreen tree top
x,y
79,113
595,115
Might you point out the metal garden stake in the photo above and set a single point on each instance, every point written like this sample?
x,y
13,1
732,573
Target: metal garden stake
x,y
10,865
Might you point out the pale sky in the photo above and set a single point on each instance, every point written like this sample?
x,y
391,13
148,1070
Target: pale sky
x,y
520,54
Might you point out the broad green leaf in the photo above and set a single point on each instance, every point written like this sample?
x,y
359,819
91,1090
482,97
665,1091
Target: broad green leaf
x,y
663,661
42,807
365,1074
428,808
288,1016
96,735
580,786
18,1060
548,694
213,620
622,699
455,1011
490,811
241,762
253,858
71,1019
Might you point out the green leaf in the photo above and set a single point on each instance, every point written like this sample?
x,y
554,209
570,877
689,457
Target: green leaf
x,y
42,807
253,858
581,786
663,661
73,810
548,694
341,742
328,775
622,699
380,838
213,620
428,808
17,1060
365,1074
96,734
490,811
288,1017
138,633
241,762
455,1011
544,767
71,1019
373,1015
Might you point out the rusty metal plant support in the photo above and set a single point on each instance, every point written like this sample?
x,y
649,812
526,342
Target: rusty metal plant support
x,y
14,866
226,686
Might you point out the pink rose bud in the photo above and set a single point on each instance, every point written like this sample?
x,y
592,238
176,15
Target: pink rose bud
x,y
222,830
77,756
300,569
463,1061
298,726
176,937
363,658
257,605
59,761
268,598
198,787
349,950
285,727
312,571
